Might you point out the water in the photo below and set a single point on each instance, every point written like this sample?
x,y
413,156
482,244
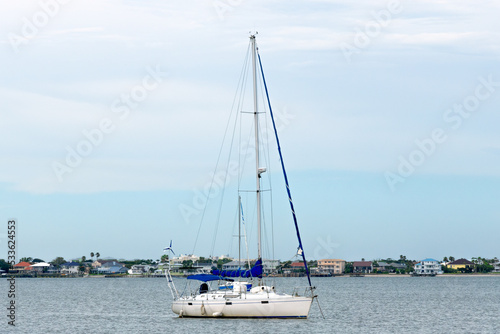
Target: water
x,y
350,305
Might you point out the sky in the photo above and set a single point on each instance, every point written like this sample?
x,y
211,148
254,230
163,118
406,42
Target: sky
x,y
113,113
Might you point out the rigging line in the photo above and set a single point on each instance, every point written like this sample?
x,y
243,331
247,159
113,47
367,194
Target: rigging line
x,y
248,151
265,240
241,89
220,151
264,145
264,228
235,222
284,175
269,173
245,233
320,310
240,107
224,188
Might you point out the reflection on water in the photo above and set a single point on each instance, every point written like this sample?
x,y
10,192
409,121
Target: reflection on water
x,y
350,305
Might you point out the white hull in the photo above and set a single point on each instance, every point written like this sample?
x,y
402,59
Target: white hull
x,y
261,305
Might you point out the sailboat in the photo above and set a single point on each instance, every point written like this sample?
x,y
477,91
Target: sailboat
x,y
230,293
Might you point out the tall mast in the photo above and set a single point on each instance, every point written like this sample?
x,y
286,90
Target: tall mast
x,y
256,120
239,231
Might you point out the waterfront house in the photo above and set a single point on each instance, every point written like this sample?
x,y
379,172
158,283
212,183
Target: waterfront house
x,y
139,269
204,267
333,266
113,263
181,258
461,264
428,267
113,269
390,267
70,268
174,267
22,266
270,266
496,267
41,267
98,263
362,267
298,266
235,265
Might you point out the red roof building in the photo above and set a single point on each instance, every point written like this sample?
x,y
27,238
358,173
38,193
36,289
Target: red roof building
x,y
362,267
297,266
22,266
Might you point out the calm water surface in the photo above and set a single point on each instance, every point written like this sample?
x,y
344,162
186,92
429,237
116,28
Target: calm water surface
x,y
350,305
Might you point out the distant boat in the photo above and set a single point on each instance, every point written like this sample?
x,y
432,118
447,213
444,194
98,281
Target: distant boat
x,y
230,293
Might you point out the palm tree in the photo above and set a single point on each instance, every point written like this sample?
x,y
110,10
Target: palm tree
x,y
92,265
97,259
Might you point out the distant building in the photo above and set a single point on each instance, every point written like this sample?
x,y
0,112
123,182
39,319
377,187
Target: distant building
x,y
112,267
362,267
334,266
222,257
70,268
181,258
204,267
298,266
99,263
22,266
461,264
428,267
139,269
270,266
496,267
112,270
390,267
234,265
41,267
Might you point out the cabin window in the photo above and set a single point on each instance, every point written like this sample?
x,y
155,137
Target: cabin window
x,y
204,288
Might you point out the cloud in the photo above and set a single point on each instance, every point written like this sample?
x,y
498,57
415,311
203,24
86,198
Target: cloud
x,y
362,115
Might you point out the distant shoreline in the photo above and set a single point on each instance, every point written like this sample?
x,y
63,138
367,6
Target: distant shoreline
x,y
441,275
182,276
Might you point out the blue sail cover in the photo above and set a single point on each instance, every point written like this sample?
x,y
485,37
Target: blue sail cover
x,y
206,277
255,271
